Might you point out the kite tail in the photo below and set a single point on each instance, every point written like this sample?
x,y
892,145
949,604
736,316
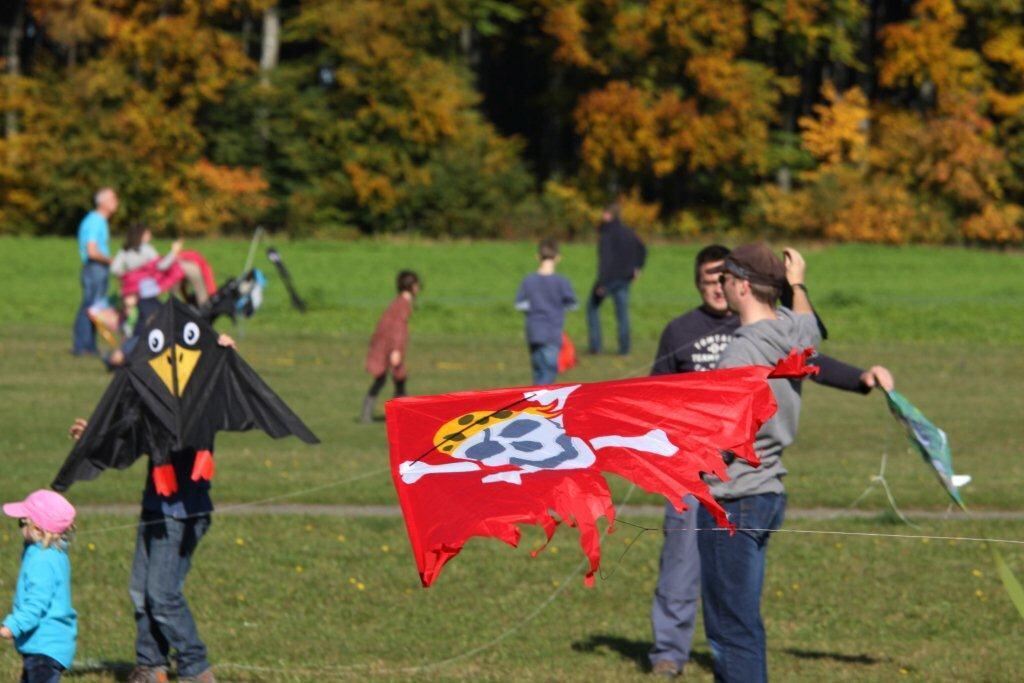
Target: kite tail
x,y
203,467
164,480
795,365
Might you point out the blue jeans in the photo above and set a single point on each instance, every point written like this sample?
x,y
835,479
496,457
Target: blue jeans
x,y
40,669
94,287
732,576
544,361
163,556
618,290
674,612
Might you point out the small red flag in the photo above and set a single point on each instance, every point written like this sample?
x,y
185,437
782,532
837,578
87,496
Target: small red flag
x,y
480,463
566,355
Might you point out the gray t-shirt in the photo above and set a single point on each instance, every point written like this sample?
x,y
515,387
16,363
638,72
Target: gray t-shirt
x,y
766,342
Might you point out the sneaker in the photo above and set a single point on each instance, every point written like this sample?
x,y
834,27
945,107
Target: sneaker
x,y
666,668
148,674
205,677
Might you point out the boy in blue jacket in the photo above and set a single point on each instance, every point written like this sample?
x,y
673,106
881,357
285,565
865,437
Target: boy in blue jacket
x,y
42,623
544,297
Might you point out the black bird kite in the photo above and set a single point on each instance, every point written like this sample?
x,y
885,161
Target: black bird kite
x,y
176,390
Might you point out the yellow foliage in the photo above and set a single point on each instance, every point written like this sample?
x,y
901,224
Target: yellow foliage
x,y
924,50
207,198
845,206
640,215
839,134
882,212
371,189
618,125
1007,48
571,205
702,26
953,153
996,224
564,22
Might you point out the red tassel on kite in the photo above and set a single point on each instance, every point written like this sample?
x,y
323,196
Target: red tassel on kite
x,y
203,467
795,365
164,480
481,463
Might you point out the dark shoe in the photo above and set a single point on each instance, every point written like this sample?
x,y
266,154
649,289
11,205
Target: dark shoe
x,y
667,669
367,415
148,674
205,677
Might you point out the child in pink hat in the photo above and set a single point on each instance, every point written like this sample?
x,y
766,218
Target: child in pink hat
x,y
42,623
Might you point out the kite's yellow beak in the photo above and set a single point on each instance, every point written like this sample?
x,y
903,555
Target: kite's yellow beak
x,y
185,360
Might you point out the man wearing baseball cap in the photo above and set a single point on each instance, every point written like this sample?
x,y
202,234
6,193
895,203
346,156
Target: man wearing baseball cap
x,y
42,623
732,567
694,342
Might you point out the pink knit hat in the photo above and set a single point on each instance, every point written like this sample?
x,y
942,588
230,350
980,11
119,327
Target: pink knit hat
x,y
48,510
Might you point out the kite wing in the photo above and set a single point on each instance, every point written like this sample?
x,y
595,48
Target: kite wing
x,y
178,388
930,442
233,398
121,429
481,463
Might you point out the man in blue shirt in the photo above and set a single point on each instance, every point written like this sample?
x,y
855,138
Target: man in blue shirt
x,y
94,250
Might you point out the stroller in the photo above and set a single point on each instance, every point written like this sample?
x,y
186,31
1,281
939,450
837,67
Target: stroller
x,y
238,297
241,297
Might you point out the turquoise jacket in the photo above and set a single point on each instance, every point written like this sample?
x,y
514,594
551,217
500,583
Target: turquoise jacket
x,y
42,619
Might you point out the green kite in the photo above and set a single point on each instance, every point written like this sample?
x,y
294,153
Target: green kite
x,y
931,443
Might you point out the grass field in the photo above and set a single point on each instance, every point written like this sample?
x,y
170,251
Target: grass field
x,y
946,321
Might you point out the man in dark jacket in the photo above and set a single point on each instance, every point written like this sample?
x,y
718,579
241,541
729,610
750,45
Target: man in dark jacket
x,y
620,256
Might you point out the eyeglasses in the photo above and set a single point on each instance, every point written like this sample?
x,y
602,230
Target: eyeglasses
x,y
22,523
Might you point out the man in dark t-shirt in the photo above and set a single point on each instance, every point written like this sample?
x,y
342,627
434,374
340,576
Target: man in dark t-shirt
x,y
693,342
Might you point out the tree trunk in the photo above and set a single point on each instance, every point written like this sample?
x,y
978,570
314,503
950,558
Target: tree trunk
x,y
269,54
271,49
13,59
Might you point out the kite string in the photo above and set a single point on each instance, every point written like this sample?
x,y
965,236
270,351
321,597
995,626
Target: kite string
x,y
239,506
825,532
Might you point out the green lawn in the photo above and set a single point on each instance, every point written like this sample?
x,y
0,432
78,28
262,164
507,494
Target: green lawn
x,y
946,321
292,601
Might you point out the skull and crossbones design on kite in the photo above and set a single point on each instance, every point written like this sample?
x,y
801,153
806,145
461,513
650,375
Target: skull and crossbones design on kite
x,y
481,463
529,440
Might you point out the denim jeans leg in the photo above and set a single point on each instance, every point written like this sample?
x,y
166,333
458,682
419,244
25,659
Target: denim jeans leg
x,y
151,648
674,610
594,322
732,577
620,294
171,545
544,361
40,669
94,278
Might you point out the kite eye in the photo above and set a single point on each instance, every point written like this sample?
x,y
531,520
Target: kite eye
x,y
191,334
156,341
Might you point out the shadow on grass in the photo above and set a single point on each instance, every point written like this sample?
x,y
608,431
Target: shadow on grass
x,y
119,670
834,656
633,650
